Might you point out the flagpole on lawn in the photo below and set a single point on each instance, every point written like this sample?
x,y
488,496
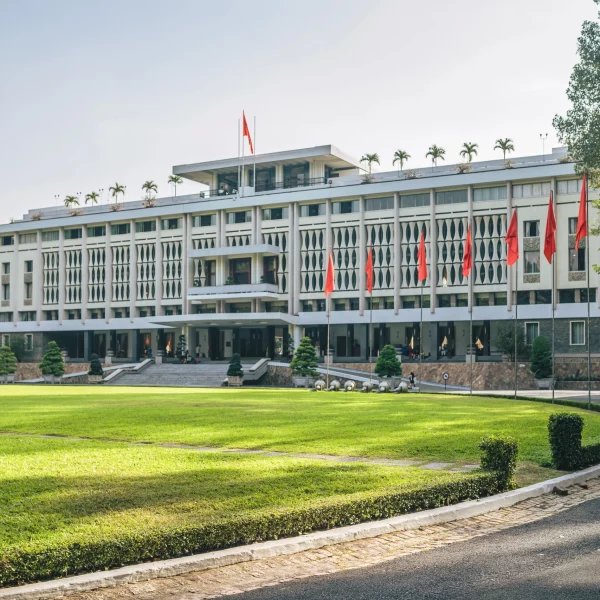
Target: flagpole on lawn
x,y
471,298
327,357
254,154
241,190
587,266
516,310
421,339
553,299
371,340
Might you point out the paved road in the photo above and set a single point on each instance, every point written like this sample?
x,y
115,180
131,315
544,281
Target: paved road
x,y
555,558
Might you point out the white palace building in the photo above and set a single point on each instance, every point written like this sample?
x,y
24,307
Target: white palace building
x,y
241,268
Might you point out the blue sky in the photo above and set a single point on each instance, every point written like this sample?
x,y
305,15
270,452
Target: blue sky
x,y
98,92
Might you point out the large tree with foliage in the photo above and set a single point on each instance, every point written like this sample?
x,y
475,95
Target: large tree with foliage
x,y
505,340
305,360
579,129
388,364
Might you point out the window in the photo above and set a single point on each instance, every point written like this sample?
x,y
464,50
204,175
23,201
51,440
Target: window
x,y
28,291
385,203
566,296
51,315
523,298
97,231
577,333
99,313
532,330
312,210
120,229
5,268
532,261
50,236
339,306
6,340
73,234
462,300
28,342
28,266
531,229
354,304
482,299
532,190
345,208
414,200
204,220
307,306
170,224
573,225
145,226
451,197
444,300
489,193
6,317
569,186
543,296
6,291
500,298
275,214
27,315
576,260
27,238
583,295
243,216
8,240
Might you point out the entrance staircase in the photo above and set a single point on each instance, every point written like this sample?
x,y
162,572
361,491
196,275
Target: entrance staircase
x,y
176,375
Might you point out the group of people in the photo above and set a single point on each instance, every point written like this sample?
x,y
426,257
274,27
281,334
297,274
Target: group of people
x,y
187,358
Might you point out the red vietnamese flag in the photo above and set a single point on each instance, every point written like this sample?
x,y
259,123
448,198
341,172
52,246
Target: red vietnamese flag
x,y
330,276
422,259
582,217
246,132
512,241
369,270
468,257
550,238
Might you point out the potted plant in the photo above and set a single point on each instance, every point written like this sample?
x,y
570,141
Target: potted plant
x,y
235,373
8,364
541,363
95,373
388,366
304,364
53,364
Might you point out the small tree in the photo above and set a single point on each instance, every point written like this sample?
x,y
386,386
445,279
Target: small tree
x,y
95,366
541,358
181,346
8,361
388,364
305,360
505,341
235,366
53,362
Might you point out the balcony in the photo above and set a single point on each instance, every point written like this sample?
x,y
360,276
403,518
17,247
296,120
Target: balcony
x,y
262,291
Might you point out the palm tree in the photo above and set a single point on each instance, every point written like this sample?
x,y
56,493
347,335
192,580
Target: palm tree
x,y
149,187
92,197
71,201
401,156
469,150
506,145
175,180
435,152
115,190
370,159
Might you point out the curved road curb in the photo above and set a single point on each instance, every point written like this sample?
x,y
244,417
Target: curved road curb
x,y
231,556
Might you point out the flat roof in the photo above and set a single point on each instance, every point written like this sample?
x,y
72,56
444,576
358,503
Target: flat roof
x,y
203,172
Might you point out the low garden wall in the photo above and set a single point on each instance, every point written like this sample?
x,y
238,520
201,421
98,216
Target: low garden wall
x,y
27,371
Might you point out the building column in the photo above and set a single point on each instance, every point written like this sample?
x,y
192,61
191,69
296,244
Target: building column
x,y
84,276
133,272
509,275
38,278
397,241
362,259
109,276
187,263
61,275
158,268
16,280
432,252
297,259
297,336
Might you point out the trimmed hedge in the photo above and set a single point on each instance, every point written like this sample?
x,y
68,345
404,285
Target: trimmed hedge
x,y
500,455
18,567
564,433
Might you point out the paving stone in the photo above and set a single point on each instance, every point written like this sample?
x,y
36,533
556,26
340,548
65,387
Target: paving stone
x,y
436,465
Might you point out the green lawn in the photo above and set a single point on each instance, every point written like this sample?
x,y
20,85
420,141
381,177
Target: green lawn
x,y
428,427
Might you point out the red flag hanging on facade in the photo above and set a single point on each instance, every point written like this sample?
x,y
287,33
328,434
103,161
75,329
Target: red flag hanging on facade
x,y
582,217
422,259
246,132
512,241
330,276
369,271
468,256
550,237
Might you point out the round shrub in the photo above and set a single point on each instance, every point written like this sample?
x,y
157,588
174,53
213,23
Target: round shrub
x,y
95,366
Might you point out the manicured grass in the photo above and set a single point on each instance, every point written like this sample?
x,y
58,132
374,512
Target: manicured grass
x,y
55,492
428,427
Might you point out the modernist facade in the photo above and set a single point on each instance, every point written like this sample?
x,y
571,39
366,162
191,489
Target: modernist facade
x,y
241,268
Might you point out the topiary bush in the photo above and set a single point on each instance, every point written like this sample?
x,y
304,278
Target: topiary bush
x,y
95,366
565,433
500,455
541,358
235,366
53,362
305,360
388,364
8,361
